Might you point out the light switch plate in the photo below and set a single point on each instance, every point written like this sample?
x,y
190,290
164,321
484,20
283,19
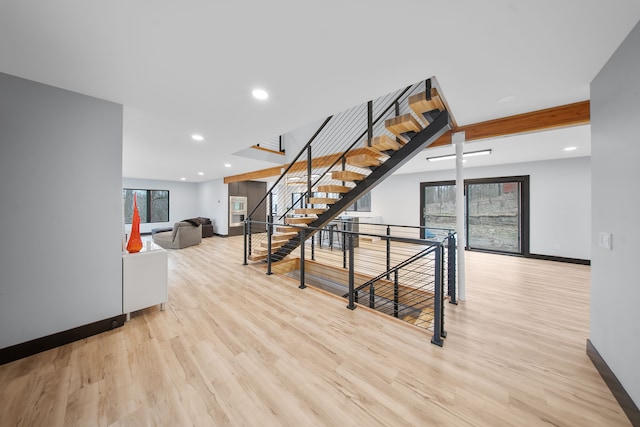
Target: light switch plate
x,y
604,240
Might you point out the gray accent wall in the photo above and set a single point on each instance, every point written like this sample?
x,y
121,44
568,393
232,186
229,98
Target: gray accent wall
x,y
615,153
61,210
560,200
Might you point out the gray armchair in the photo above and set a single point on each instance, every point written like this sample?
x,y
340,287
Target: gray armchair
x,y
183,234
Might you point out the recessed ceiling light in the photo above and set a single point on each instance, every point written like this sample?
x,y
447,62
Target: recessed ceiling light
x,y
227,165
200,173
197,137
506,99
183,179
260,94
570,148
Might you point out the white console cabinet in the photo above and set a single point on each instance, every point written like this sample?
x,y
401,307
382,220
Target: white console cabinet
x,y
144,279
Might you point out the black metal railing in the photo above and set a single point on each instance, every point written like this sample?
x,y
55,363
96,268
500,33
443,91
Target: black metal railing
x,y
408,278
273,144
326,151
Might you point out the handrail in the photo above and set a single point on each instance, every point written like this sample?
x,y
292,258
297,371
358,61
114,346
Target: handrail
x,y
290,165
421,227
343,155
355,233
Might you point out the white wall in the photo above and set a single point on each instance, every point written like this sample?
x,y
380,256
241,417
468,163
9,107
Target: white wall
x,y
615,150
183,200
560,196
60,186
213,197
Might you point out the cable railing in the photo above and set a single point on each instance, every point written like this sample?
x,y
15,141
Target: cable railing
x,y
272,144
408,278
296,193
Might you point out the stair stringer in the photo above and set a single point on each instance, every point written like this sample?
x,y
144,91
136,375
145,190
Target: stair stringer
x,y
420,141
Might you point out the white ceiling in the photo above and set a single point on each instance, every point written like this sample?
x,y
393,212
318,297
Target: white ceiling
x,y
185,67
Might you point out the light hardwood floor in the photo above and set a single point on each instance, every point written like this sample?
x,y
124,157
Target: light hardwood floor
x,y
237,347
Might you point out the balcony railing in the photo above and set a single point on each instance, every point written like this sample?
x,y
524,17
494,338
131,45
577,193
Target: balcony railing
x,y
389,268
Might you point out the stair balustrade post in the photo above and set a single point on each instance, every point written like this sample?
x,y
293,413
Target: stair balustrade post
x,y
302,238
344,245
443,333
437,298
313,247
269,233
352,305
372,296
309,160
396,294
369,123
427,89
451,268
388,252
244,242
248,230
271,212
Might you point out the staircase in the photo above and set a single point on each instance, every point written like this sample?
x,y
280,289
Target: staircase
x,y
332,179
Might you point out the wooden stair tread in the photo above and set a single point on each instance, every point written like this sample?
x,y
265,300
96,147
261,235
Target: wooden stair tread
x,y
334,188
347,176
284,236
322,200
384,143
256,257
309,211
403,126
287,230
363,160
421,106
300,220
368,151
274,243
262,251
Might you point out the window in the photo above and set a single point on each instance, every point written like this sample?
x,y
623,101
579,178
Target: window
x,y
496,212
439,206
494,216
153,205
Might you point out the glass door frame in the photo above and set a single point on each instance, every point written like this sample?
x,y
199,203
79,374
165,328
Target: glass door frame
x,y
522,180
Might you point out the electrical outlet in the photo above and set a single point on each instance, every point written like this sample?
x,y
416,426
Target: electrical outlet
x,y
604,240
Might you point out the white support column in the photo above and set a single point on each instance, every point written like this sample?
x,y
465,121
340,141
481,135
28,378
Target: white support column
x,y
458,139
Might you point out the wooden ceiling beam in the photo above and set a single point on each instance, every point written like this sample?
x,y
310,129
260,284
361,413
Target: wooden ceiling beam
x,y
259,174
535,121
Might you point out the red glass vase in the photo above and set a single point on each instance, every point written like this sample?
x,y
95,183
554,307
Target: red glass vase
x,y
135,241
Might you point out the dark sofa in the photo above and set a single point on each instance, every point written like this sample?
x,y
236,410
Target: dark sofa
x,y
207,226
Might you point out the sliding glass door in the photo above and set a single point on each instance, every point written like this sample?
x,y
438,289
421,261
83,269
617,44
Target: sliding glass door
x,y
438,207
496,212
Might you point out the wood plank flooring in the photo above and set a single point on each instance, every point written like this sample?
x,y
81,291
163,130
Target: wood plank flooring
x,y
236,347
